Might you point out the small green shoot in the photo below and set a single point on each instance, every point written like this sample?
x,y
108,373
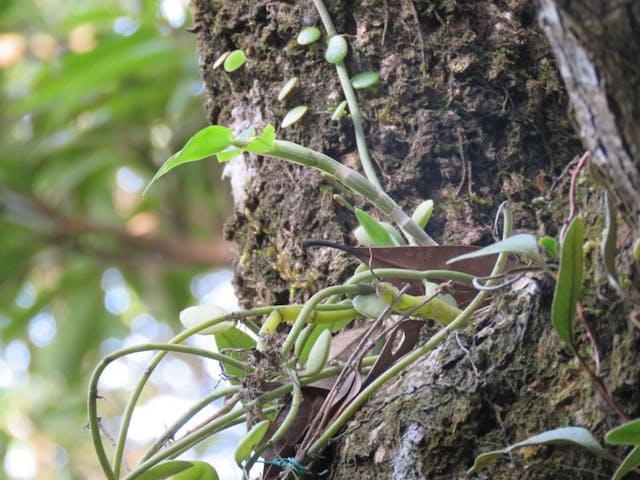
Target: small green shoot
x,y
287,87
308,36
234,60
550,245
337,49
340,111
569,284
293,115
365,80
376,232
263,143
422,214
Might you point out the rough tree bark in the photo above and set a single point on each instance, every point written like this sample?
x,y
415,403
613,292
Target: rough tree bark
x,y
470,111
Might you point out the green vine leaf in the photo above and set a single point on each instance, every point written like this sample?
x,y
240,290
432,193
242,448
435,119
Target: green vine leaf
x,y
207,142
569,285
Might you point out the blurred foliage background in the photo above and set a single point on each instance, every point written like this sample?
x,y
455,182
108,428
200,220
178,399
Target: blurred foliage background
x,y
95,96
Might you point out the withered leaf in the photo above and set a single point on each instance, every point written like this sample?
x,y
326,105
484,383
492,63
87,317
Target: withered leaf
x,y
391,352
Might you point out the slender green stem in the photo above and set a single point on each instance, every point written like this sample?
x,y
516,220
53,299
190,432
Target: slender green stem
x,y
133,399
352,101
232,418
185,417
414,355
353,180
369,275
114,472
312,303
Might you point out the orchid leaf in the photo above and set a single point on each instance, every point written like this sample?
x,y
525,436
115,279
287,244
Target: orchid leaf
x,y
569,284
208,141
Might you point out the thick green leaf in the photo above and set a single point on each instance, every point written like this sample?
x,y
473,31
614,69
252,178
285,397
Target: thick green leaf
x,y
293,115
234,339
626,434
631,462
379,236
287,87
251,440
569,285
308,35
337,49
560,436
365,80
208,141
234,60
522,243
319,353
198,471
165,470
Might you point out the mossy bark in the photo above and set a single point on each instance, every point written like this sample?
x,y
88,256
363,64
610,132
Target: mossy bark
x,y
470,111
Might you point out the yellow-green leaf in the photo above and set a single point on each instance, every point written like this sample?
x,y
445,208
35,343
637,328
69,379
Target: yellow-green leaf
x,y
208,141
234,60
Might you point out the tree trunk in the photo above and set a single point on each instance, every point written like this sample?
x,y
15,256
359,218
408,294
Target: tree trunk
x,y
470,111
